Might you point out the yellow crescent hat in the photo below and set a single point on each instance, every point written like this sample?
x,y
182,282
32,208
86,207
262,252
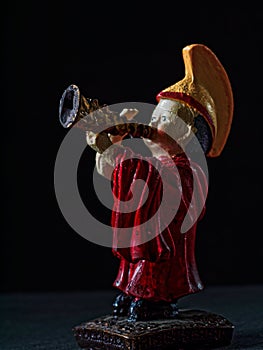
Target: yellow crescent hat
x,y
207,89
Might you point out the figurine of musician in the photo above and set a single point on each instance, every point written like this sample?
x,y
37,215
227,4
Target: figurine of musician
x,y
153,275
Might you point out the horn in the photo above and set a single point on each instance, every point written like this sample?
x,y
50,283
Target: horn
x,y
75,110
74,107
88,114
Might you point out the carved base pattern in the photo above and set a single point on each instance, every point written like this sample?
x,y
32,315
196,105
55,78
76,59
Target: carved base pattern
x,y
192,329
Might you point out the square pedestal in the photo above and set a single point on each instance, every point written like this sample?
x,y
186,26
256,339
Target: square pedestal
x,y
192,329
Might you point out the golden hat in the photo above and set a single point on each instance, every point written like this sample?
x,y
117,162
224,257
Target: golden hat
x,y
206,88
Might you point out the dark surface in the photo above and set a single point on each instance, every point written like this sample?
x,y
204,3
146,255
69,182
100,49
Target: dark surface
x,y
44,321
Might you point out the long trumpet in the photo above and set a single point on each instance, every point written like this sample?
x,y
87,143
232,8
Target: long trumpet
x,y
87,114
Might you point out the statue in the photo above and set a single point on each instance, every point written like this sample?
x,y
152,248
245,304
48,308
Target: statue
x,y
158,265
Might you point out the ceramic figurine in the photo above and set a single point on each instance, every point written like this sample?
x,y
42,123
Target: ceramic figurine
x,y
154,274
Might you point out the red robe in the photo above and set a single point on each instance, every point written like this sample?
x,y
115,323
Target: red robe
x,y
163,268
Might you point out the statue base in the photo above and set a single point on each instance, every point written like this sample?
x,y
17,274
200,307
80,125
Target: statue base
x,y
192,329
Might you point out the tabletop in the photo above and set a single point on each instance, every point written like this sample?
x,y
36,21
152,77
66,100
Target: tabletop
x,y
44,320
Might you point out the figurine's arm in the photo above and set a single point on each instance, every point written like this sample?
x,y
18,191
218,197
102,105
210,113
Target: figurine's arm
x,y
106,149
105,163
106,155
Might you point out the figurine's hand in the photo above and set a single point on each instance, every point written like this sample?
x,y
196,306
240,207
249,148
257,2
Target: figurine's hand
x,y
99,142
126,113
129,113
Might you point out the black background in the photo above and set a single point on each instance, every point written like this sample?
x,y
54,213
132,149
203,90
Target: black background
x,y
118,54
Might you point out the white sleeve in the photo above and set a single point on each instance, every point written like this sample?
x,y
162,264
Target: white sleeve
x,y
106,162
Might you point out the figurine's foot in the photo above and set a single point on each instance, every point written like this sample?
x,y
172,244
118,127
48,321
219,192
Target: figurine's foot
x,y
144,310
121,305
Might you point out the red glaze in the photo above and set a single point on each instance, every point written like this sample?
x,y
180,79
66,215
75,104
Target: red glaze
x,y
163,268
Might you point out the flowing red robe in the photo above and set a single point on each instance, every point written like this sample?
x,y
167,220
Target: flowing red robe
x,y
163,268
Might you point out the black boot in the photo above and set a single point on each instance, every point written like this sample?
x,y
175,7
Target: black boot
x,y
144,310
121,305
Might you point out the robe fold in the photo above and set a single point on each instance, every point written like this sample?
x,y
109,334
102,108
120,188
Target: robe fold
x,y
162,266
